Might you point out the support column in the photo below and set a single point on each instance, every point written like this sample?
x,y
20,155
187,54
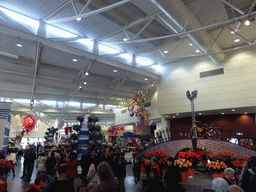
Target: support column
x,y
163,128
5,123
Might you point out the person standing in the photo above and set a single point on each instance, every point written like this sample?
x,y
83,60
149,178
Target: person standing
x,y
61,184
12,158
246,178
40,182
29,160
40,162
73,164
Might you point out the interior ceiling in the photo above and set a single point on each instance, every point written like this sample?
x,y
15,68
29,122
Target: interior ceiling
x,y
154,29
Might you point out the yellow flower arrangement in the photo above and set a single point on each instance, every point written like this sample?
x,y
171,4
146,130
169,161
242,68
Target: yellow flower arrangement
x,y
217,166
182,163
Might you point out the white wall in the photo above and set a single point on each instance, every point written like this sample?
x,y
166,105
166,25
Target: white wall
x,y
235,88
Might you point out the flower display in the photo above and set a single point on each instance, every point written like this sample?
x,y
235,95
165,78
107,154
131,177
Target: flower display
x,y
182,163
160,155
113,130
29,123
217,166
249,146
80,118
191,156
136,106
239,163
227,156
5,166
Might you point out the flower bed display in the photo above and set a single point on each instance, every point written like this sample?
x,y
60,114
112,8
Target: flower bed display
x,y
194,158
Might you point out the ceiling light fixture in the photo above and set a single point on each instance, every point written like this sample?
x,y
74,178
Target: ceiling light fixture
x,y
200,113
165,52
125,39
86,73
75,60
222,113
233,110
173,116
245,113
190,44
237,40
238,25
19,45
115,71
78,19
177,114
32,102
85,83
197,51
80,87
248,21
152,85
145,79
232,32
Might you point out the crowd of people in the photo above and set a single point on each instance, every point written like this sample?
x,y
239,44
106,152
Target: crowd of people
x,y
57,169
244,181
106,171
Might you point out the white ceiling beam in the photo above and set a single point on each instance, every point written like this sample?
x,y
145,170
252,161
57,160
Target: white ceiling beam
x,y
132,24
63,39
233,7
216,53
238,34
8,55
33,38
73,5
143,28
37,60
56,10
86,5
216,25
91,13
252,6
215,39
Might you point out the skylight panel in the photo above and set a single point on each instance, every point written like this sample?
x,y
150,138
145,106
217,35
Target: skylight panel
x,y
157,67
57,32
48,102
143,61
126,56
30,23
22,100
74,104
103,49
86,42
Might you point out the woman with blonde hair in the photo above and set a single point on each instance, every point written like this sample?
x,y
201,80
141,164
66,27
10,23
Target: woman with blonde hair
x,y
108,183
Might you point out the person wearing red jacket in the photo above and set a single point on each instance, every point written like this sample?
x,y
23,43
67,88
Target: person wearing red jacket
x,y
73,164
40,182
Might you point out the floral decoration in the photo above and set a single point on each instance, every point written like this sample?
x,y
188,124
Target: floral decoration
x,y
216,166
29,123
68,130
191,156
80,118
239,163
182,163
227,156
113,130
249,146
136,106
5,166
160,155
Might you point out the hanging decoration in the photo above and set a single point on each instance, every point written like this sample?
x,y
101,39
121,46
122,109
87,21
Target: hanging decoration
x,y
29,123
137,108
68,130
113,130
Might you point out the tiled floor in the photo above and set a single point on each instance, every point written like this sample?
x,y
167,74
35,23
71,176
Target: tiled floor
x,y
196,184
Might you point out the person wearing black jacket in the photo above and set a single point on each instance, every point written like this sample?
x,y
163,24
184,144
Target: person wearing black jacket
x,y
119,169
173,176
246,178
154,183
86,161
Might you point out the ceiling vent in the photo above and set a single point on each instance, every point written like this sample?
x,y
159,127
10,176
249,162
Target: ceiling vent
x,y
212,73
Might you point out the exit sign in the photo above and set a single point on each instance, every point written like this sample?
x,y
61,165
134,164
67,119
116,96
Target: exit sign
x,y
238,133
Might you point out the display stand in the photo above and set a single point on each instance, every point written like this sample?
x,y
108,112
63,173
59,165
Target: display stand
x,y
5,122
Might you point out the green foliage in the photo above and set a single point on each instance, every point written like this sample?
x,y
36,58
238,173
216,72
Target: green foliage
x,y
76,127
93,118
